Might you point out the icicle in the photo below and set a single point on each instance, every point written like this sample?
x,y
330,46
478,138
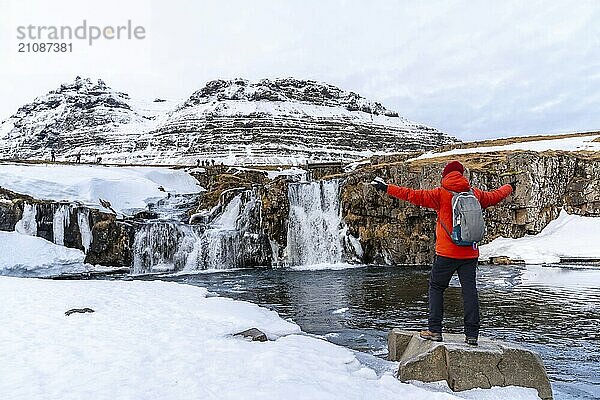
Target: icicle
x,y
27,225
61,219
83,220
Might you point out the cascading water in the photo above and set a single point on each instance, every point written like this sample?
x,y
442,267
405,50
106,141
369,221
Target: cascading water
x,y
162,246
27,225
314,223
219,244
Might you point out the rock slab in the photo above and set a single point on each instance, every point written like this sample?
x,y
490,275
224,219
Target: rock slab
x,y
492,363
255,334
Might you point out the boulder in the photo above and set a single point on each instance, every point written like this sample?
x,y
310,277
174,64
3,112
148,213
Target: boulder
x,y
492,363
253,333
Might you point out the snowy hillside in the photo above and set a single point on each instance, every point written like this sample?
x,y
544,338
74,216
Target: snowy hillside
x,y
281,121
588,141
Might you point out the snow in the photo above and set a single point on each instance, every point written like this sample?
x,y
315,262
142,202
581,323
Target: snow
x,y
567,236
575,143
163,340
19,251
295,109
126,188
340,310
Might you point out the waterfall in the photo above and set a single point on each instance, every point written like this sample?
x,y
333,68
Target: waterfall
x,y
219,244
27,225
314,223
162,246
222,243
83,220
62,217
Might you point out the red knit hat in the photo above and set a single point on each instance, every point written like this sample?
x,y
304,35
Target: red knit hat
x,y
453,166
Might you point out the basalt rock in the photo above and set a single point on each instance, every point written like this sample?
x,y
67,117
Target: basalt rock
x,y
395,232
112,242
254,334
463,367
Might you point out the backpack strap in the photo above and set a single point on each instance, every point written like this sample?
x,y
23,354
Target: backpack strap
x,y
445,228
442,222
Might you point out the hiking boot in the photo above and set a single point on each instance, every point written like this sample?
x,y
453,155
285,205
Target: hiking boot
x,y
428,335
471,341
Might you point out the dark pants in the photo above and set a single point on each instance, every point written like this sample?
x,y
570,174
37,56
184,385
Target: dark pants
x,y
441,272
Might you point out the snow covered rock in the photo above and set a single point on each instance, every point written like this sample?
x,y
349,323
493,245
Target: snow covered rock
x,y
127,189
280,121
568,236
464,367
24,252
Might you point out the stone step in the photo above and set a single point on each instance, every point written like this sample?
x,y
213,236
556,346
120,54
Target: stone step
x,y
463,367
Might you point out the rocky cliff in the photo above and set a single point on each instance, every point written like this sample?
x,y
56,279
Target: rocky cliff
x,y
395,232
104,239
374,228
280,121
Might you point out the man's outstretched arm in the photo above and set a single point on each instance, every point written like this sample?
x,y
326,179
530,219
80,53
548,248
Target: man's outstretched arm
x,y
489,199
423,198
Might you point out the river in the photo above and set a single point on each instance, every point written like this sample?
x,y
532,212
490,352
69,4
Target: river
x,y
554,311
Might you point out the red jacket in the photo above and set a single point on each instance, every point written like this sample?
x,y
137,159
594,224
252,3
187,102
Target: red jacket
x,y
440,200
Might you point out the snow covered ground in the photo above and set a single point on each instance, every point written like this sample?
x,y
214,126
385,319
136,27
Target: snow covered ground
x,y
163,340
25,255
575,143
567,236
126,188
23,251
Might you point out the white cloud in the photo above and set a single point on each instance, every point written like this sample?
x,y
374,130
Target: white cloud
x,y
472,69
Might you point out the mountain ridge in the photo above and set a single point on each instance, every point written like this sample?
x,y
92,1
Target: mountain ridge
x,y
270,121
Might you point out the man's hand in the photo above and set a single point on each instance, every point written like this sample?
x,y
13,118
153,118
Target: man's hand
x,y
513,185
379,184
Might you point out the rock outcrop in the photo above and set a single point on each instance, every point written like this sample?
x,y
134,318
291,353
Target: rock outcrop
x,y
112,243
105,240
464,367
280,121
377,229
395,232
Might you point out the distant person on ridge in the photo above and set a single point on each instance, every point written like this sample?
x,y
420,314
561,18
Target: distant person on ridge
x,y
53,155
455,203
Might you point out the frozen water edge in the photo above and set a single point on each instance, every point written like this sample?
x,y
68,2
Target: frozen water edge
x,y
174,342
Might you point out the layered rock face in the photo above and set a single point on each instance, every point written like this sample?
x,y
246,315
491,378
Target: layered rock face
x,y
104,239
281,121
80,117
395,232
373,228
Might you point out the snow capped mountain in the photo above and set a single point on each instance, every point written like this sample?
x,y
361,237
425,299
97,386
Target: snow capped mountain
x,y
280,121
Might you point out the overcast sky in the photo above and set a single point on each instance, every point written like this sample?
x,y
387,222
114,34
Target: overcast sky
x,y
473,69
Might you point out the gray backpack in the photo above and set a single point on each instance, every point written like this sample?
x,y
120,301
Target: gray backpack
x,y
468,226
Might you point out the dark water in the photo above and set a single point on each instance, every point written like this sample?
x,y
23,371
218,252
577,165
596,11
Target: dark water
x,y
551,310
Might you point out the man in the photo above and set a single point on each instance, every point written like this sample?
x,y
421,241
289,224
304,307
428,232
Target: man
x,y
449,257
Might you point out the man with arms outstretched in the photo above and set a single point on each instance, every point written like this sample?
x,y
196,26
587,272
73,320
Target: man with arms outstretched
x,y
450,257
